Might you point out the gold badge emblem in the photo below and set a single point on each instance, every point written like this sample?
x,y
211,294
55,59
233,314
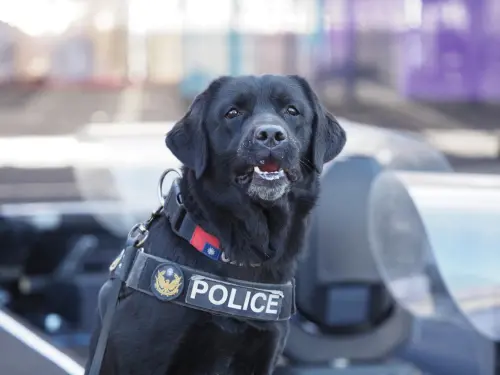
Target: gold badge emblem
x,y
167,282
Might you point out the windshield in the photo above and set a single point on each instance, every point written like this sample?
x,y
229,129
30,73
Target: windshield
x,y
435,239
393,149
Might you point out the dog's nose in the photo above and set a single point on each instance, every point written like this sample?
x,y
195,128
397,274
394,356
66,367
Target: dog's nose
x,y
270,135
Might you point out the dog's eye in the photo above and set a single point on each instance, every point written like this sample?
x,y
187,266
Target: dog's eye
x,y
232,113
291,110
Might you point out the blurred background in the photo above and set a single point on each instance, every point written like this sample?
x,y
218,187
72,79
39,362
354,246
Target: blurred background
x,y
428,66
88,88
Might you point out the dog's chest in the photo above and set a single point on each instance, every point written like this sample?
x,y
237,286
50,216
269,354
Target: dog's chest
x,y
229,325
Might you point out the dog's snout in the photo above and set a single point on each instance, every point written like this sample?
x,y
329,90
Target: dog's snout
x,y
270,135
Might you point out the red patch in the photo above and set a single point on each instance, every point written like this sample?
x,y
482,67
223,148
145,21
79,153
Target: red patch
x,y
200,238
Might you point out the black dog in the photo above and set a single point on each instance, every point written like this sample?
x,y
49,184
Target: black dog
x,y
252,149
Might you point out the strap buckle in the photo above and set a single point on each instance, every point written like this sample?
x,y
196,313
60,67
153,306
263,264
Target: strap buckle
x,y
140,231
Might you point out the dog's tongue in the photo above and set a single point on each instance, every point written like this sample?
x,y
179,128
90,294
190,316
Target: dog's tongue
x,y
269,167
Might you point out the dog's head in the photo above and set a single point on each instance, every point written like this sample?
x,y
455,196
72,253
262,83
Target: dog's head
x,y
258,135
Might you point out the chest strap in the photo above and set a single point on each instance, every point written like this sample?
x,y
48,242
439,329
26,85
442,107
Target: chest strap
x,y
184,226
172,282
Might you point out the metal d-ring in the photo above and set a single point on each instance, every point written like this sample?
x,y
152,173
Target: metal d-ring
x,y
139,233
160,183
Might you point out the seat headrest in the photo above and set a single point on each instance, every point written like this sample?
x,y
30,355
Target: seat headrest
x,y
340,225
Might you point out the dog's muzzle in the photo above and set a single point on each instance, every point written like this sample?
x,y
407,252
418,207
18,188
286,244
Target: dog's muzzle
x,y
271,157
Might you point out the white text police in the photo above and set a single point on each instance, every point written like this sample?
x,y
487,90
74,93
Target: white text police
x,y
219,296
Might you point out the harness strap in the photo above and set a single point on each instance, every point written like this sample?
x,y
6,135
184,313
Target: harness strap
x,y
185,227
122,271
166,280
169,281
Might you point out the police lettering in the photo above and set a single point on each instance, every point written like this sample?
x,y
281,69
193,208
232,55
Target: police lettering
x,y
227,297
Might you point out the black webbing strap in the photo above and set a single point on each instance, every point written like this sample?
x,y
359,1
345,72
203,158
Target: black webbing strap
x,y
138,270
121,273
146,267
184,226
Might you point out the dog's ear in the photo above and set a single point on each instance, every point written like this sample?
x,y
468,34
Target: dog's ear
x,y
187,139
328,137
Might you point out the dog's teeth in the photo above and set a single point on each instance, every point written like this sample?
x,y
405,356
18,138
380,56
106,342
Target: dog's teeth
x,y
269,175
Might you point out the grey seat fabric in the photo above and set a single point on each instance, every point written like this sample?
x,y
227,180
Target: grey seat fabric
x,y
339,289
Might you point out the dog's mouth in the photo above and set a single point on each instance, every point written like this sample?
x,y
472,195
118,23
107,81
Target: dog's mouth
x,y
265,171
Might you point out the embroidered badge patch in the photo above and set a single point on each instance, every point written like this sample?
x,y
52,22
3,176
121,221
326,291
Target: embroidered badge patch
x,y
167,282
211,251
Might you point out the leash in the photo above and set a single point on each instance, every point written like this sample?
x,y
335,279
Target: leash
x,y
121,268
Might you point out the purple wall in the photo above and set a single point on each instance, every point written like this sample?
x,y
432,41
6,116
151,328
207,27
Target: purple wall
x,y
460,53
453,55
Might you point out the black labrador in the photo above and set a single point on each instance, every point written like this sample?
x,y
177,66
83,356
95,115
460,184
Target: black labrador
x,y
252,149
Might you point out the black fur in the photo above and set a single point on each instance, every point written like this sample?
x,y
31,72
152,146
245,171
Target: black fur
x,y
149,337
